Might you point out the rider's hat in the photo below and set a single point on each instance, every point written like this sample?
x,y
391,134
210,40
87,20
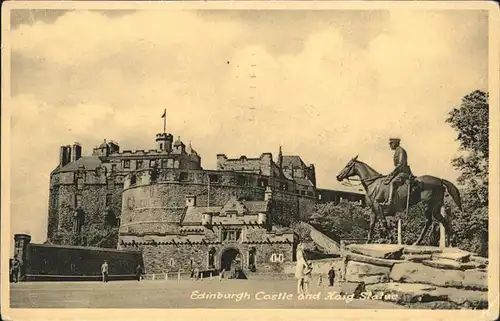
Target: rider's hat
x,y
394,139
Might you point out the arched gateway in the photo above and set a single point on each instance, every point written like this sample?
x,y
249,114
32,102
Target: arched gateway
x,y
230,258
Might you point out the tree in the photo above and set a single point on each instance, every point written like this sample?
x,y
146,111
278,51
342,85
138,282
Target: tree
x,y
345,220
471,121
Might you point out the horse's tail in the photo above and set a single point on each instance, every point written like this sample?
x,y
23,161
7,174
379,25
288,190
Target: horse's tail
x,y
454,192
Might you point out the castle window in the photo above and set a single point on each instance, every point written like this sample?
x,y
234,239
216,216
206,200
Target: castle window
x,y
130,203
213,178
152,163
176,164
126,164
163,163
319,197
139,164
133,180
110,183
263,182
78,200
170,163
241,180
171,262
183,176
79,183
109,198
113,168
78,221
273,257
111,219
280,257
161,146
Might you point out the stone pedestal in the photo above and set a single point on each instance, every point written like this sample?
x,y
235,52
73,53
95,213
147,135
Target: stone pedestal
x,y
415,274
400,238
442,231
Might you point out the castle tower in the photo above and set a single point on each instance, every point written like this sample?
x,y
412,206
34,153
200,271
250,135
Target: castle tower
x,y
21,242
164,142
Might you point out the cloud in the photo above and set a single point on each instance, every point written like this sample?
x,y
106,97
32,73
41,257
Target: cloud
x,y
228,89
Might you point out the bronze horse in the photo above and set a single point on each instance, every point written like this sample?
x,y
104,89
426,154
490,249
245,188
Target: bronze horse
x,y
426,189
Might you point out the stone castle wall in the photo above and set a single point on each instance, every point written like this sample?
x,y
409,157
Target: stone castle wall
x,y
98,193
152,201
161,258
55,262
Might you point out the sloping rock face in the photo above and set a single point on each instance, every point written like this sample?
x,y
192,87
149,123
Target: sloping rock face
x,y
410,272
415,292
381,251
354,288
367,273
449,264
371,260
417,249
453,254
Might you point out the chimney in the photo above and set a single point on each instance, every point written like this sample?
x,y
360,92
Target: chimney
x,y
64,155
76,153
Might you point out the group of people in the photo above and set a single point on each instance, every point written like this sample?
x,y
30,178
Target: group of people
x,y
303,272
105,272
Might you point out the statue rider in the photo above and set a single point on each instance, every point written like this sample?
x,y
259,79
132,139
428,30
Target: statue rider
x,y
399,175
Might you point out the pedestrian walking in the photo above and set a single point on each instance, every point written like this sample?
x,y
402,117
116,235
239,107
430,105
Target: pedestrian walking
x,y
16,268
331,276
138,272
105,271
320,279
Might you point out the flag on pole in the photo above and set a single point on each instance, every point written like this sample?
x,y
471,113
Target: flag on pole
x,y
164,116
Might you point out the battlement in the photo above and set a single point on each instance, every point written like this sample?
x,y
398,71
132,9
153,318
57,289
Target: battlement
x,y
260,165
164,135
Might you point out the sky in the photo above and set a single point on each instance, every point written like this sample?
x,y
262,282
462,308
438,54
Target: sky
x,y
325,85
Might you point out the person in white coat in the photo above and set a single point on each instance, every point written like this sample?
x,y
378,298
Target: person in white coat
x,y
302,270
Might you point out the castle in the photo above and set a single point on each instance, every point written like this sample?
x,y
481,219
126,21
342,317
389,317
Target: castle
x,y
178,214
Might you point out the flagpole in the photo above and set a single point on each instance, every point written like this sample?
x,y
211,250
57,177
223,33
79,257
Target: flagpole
x,y
165,121
208,200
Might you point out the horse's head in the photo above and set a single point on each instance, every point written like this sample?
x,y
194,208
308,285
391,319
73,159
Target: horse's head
x,y
348,171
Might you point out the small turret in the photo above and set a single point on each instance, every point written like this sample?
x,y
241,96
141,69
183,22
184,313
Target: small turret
x,y
206,219
164,142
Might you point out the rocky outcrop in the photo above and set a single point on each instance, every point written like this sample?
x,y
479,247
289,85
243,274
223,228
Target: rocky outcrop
x,y
381,251
418,276
414,292
410,272
370,260
367,273
453,254
355,288
449,264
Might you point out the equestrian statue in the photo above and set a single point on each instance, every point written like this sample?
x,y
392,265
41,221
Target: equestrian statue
x,y
400,190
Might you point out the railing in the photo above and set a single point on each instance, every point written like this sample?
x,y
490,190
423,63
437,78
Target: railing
x,y
178,276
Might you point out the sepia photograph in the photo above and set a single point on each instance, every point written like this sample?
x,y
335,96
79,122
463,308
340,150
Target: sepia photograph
x,y
315,158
